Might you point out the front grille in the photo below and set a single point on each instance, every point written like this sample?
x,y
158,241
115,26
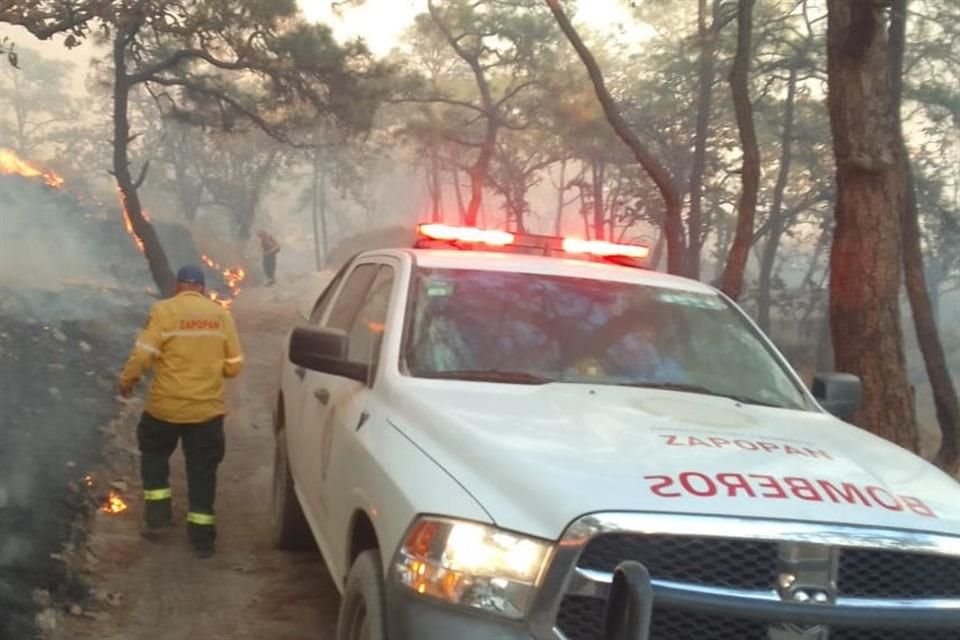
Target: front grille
x,y
869,573
581,618
894,634
753,565
743,564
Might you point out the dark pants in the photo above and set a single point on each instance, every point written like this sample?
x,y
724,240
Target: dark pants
x,y
203,449
270,265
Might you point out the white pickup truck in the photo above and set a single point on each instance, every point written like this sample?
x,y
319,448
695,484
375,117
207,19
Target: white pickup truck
x,y
479,431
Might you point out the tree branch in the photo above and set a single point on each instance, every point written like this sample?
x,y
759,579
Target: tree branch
x,y
513,92
438,99
673,229
222,97
149,72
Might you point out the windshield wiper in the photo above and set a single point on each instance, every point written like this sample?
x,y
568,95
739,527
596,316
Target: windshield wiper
x,y
488,375
694,388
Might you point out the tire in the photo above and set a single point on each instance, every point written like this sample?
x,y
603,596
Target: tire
x,y
363,608
290,530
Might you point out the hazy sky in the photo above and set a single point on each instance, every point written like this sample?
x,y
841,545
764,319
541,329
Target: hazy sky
x,y
382,22
379,22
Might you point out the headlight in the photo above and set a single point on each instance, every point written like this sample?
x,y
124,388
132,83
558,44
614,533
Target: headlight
x,y
473,565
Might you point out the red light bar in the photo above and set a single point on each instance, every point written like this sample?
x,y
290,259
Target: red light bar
x,y
605,249
473,235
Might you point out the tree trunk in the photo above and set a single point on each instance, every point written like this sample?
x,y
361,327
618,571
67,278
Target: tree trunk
x,y
246,214
708,39
478,175
732,283
599,218
777,224
434,186
129,199
673,224
324,233
459,193
315,209
924,318
865,260
560,199
656,254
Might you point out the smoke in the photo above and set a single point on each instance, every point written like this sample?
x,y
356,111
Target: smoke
x,y
49,241
72,295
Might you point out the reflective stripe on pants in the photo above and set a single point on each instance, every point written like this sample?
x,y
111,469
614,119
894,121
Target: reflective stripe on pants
x,y
203,448
157,494
204,519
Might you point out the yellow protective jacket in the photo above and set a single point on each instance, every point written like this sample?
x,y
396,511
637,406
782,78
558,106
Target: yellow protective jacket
x,y
192,344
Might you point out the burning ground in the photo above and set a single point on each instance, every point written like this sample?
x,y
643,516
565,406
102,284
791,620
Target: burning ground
x,y
74,290
71,300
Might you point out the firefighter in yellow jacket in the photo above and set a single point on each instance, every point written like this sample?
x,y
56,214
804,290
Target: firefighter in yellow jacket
x,y
192,345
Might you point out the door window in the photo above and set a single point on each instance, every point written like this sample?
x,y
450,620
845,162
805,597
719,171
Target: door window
x,y
365,335
323,302
351,297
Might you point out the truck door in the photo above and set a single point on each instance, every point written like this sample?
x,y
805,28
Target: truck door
x,y
302,434
294,377
340,403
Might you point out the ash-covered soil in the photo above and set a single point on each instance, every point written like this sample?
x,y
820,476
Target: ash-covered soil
x,y
145,590
59,357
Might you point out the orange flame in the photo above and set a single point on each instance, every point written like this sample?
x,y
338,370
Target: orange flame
x,y
14,165
129,226
233,277
128,223
114,504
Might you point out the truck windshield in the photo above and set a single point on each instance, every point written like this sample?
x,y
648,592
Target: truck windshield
x,y
537,329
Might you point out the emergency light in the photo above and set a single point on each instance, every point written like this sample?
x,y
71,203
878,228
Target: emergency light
x,y
469,235
605,249
433,235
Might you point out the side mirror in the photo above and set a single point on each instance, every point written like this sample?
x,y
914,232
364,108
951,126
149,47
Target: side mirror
x,y
324,350
838,393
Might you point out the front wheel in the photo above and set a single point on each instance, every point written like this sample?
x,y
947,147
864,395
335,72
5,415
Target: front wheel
x,y
289,526
362,610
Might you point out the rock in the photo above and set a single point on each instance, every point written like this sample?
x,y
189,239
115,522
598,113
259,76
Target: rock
x,y
59,336
86,348
55,393
119,485
112,598
56,366
75,610
46,620
42,599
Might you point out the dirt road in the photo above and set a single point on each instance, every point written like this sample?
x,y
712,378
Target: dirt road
x,y
248,590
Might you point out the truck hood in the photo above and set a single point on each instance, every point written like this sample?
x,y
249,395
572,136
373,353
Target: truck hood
x,y
538,457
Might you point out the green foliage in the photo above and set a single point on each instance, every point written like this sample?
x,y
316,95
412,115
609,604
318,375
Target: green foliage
x,y
36,105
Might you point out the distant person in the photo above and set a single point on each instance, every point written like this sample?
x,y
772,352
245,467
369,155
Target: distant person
x,y
270,248
192,344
